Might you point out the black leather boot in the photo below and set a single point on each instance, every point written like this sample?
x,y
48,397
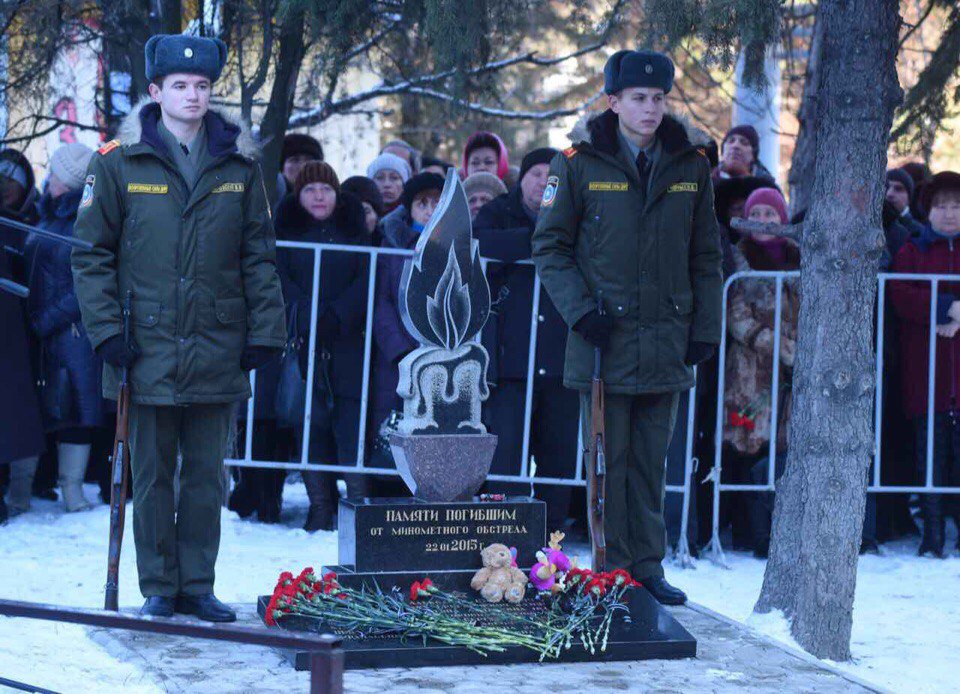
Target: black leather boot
x,y
933,526
664,593
157,606
205,607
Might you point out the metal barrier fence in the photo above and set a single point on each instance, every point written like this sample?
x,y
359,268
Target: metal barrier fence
x,y
524,475
875,486
358,467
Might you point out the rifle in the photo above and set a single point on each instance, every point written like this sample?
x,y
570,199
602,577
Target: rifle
x,y
597,469
120,463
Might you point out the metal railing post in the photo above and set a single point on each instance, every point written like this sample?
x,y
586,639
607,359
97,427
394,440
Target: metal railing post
x,y
311,356
531,367
775,384
367,347
683,556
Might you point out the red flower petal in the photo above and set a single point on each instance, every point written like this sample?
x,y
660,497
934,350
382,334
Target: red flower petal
x,y
414,591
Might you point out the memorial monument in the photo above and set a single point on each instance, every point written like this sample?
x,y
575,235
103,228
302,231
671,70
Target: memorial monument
x,y
443,453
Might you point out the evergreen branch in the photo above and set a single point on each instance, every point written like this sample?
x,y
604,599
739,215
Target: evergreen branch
x,y
928,97
913,28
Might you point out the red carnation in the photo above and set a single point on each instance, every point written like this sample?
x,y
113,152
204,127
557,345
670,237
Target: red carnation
x,y
414,591
596,587
621,577
330,576
427,585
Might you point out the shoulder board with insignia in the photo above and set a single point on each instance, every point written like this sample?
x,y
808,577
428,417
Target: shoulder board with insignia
x,y
569,152
702,151
109,147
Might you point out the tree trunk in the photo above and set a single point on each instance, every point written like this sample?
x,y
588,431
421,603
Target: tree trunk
x,y
171,21
273,127
818,518
802,167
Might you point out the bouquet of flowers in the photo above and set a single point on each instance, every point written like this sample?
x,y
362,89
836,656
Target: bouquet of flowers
x,y
579,607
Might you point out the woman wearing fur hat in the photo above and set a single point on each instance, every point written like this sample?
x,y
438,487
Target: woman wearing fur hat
x,y
319,211
750,359
390,173
70,369
481,188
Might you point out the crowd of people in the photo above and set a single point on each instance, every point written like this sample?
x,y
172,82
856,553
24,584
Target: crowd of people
x,y
56,426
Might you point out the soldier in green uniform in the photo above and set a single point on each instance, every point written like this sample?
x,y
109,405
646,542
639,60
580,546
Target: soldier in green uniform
x,y
628,212
177,213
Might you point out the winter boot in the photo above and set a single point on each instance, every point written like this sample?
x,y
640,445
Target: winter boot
x,y
271,496
933,526
322,490
73,459
21,484
243,498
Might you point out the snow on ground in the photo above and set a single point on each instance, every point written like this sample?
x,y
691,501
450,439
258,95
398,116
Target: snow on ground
x,y
905,632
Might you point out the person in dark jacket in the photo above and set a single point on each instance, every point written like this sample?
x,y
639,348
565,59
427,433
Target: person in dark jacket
x,y
70,369
320,212
21,428
936,251
297,150
366,191
740,155
899,192
400,229
503,228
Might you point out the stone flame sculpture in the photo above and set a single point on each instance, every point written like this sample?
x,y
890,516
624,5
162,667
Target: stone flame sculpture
x,y
442,449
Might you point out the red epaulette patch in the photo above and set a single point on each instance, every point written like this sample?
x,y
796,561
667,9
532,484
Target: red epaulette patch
x,y
569,152
109,147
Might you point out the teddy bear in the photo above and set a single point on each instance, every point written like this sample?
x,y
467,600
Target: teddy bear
x,y
499,579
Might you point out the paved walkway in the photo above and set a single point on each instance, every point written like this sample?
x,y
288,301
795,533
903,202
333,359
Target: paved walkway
x,y
730,658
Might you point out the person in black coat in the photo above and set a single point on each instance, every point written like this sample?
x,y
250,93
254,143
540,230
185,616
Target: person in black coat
x,y
320,212
70,371
503,228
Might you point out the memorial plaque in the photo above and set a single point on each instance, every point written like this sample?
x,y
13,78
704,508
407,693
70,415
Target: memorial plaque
x,y
396,535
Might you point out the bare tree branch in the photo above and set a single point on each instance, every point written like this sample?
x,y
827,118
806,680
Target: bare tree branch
x,y
331,107
790,231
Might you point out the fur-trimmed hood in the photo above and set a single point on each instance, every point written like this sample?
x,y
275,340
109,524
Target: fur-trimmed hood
x,y
599,130
226,132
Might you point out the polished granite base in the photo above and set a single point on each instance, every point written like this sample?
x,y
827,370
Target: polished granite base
x,y
649,631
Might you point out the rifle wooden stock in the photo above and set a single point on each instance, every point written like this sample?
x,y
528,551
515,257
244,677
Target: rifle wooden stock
x,y
596,474
119,476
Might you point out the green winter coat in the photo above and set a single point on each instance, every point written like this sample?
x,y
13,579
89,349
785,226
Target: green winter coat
x,y
657,263
200,263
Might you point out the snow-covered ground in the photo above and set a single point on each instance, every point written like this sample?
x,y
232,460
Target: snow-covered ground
x,y
906,627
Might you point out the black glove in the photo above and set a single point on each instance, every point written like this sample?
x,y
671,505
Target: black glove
x,y
328,326
595,328
254,356
699,352
116,352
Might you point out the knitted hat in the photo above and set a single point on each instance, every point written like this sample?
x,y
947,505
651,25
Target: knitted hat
x,y
541,155
483,138
300,143
945,180
366,190
484,181
316,172
415,156
69,164
626,69
420,183
904,179
195,55
392,162
750,133
767,196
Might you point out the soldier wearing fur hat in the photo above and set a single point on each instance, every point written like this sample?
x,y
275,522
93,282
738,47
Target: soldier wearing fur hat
x,y
627,214
177,214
